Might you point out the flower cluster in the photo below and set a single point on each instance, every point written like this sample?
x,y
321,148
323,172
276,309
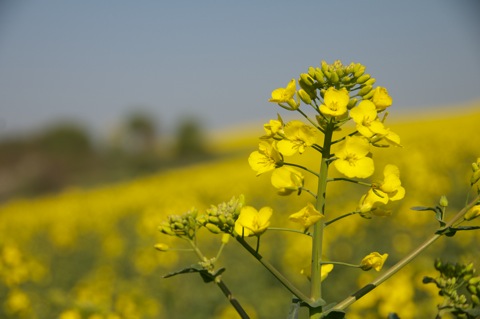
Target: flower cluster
x,y
222,218
183,226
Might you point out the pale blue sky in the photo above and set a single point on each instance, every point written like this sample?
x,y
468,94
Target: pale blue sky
x,y
94,60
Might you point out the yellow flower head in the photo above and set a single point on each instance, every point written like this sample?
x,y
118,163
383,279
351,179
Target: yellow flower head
x,y
474,212
381,99
372,201
392,186
352,160
287,180
365,116
251,222
373,260
285,95
267,158
273,127
307,216
298,136
336,102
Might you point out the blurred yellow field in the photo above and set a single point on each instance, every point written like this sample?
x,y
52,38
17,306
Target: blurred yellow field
x,y
88,253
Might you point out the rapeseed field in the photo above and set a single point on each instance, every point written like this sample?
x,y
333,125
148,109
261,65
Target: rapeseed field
x,y
88,253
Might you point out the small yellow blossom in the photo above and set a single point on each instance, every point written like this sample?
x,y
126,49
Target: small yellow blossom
x,y
365,116
352,160
267,158
373,260
251,222
335,102
392,186
287,180
381,99
273,127
298,136
285,95
162,247
370,202
307,216
473,212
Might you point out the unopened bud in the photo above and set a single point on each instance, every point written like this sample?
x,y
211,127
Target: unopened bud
x,y
319,76
307,79
225,238
213,228
311,71
352,103
358,70
474,280
443,201
475,299
162,247
370,81
304,96
365,90
364,78
334,77
472,289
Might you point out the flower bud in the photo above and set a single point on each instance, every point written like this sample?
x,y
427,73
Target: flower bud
x,y
311,71
162,247
443,201
225,238
213,228
369,95
352,103
324,66
474,280
319,76
472,289
473,213
364,90
358,70
370,81
307,79
334,77
304,96
213,219
475,299
364,78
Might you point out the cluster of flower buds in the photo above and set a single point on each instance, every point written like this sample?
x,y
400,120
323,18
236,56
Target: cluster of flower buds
x,y
222,218
453,278
351,77
183,226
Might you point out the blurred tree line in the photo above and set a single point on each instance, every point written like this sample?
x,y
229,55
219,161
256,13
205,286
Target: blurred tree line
x,y
65,154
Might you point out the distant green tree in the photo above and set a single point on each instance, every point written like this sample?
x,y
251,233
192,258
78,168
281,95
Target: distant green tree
x,y
191,140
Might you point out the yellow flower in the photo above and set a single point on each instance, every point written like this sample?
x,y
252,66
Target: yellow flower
x,y
251,222
336,102
287,180
267,158
392,186
285,95
474,212
307,216
373,260
371,202
273,127
352,160
381,99
365,116
298,136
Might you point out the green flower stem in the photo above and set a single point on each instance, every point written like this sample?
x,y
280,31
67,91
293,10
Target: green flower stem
x,y
196,250
233,301
340,264
348,180
309,191
340,217
290,230
309,119
220,250
278,275
317,240
402,263
300,166
343,138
